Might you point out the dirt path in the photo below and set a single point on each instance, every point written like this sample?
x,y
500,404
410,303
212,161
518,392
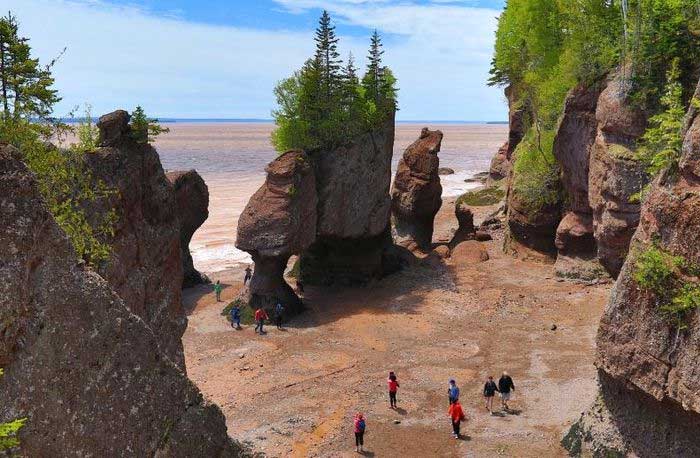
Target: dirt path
x,y
294,392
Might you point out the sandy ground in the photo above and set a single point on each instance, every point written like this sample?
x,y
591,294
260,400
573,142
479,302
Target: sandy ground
x,y
294,392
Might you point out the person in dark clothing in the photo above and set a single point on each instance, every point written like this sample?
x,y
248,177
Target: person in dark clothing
x,y
452,391
236,317
505,387
279,311
248,275
490,390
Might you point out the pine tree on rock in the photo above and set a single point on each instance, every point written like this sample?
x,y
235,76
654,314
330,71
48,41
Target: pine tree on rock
x,y
375,70
328,61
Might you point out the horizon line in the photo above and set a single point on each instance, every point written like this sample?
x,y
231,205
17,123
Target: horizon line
x,y
267,120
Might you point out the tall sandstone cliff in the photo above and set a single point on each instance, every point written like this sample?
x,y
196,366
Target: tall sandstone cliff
x,y
354,206
145,266
88,373
502,162
649,400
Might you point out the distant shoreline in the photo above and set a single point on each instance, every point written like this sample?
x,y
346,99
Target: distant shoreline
x,y
270,121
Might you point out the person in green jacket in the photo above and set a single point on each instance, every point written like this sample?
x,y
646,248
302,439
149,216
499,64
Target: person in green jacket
x,y
217,289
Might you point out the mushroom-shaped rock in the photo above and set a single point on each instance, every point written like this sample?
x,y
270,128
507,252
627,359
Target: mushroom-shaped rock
x,y
417,194
192,198
113,127
279,221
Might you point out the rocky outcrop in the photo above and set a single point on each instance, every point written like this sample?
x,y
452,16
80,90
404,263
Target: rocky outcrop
x,y
501,164
417,194
649,402
87,373
575,136
465,229
531,232
145,266
354,206
278,221
192,198
615,175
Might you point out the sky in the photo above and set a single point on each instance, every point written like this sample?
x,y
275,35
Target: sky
x,y
222,58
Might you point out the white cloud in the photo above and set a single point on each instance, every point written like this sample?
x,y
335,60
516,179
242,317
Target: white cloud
x,y
123,56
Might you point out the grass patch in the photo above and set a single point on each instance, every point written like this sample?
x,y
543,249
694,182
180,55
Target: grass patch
x,y
536,172
672,279
482,198
622,152
247,313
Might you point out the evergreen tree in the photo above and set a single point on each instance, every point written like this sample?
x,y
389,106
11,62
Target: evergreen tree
x,y
25,86
327,62
143,128
375,70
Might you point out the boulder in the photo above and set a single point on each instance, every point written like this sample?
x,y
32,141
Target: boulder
x,y
465,218
354,207
445,171
417,194
87,372
469,252
575,234
615,176
649,398
145,265
192,197
500,165
279,221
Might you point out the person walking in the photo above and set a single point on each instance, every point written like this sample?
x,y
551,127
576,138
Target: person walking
x,y
457,416
360,425
236,316
217,290
452,391
393,385
279,311
260,317
505,387
490,389
248,275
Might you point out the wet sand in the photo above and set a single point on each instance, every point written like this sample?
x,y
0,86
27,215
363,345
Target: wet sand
x,y
294,392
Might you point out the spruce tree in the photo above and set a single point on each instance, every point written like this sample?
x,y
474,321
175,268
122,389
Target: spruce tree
x,y
25,86
327,60
375,70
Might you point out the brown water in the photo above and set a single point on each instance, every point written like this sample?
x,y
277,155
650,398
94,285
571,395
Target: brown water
x,y
231,157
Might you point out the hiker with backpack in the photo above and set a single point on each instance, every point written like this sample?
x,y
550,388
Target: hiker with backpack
x,y
260,317
457,416
393,385
360,425
452,391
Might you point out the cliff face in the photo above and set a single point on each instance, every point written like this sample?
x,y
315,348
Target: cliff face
x,y
501,164
87,372
649,400
615,175
192,198
354,205
145,267
278,221
417,194
576,133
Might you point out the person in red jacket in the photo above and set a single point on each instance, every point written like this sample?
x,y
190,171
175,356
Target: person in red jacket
x,y
393,385
359,423
260,317
456,416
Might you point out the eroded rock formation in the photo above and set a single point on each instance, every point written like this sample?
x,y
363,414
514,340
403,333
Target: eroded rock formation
x,y
192,198
145,266
501,164
278,221
88,373
417,193
649,400
354,206
615,175
572,147
465,229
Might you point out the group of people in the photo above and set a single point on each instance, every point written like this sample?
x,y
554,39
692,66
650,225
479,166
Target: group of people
x,y
260,317
505,387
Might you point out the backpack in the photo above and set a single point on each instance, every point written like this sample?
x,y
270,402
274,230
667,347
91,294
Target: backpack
x,y
361,425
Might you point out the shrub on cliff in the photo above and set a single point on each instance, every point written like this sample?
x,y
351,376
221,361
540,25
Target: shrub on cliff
x,y
325,104
536,172
27,100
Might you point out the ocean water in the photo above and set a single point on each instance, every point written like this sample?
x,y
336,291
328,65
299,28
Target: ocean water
x,y
231,157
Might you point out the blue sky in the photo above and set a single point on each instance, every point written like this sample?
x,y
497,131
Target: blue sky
x,y
222,58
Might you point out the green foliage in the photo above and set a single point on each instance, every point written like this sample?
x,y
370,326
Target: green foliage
x,y
143,128
661,144
247,313
86,132
64,181
672,279
536,171
325,104
9,431
482,197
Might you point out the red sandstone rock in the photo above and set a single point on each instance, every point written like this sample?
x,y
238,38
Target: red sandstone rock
x,y
88,373
192,197
469,252
416,196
